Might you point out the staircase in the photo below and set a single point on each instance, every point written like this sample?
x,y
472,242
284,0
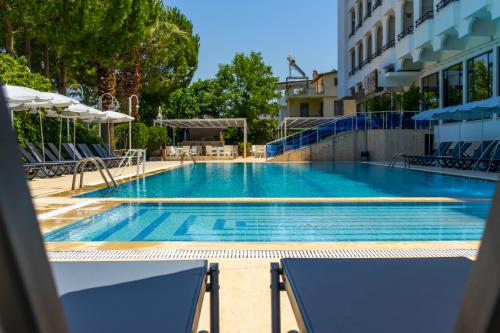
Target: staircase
x,y
345,124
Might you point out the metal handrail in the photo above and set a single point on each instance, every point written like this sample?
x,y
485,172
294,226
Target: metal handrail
x,y
395,159
348,123
99,165
139,154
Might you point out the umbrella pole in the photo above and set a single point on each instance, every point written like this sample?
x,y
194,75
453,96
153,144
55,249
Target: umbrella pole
x,y
12,118
41,133
109,141
60,138
74,133
67,130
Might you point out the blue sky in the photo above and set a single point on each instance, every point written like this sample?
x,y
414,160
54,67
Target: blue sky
x,y
276,28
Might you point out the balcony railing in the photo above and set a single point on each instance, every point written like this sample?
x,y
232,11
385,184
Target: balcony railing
x,y
427,16
377,4
353,71
377,53
368,13
352,33
405,32
360,24
442,4
390,44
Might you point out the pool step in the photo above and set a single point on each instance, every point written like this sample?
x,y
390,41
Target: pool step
x,y
168,254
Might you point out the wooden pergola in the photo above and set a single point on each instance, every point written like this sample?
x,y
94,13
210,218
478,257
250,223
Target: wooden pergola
x,y
218,123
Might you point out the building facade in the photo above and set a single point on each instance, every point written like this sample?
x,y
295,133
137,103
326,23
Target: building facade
x,y
313,98
448,48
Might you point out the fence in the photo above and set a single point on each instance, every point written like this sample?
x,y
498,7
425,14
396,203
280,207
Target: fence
x,y
354,122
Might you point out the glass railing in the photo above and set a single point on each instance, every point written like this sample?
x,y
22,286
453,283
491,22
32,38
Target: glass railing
x,y
354,122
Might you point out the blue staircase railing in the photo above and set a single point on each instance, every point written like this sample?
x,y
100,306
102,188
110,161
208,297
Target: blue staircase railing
x,y
349,123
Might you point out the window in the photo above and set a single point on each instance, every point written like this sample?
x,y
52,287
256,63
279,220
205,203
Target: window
x,y
338,108
453,85
335,82
430,91
321,110
304,109
480,77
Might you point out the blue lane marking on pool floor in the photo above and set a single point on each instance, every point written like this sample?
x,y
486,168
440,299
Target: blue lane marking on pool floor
x,y
120,225
281,222
151,227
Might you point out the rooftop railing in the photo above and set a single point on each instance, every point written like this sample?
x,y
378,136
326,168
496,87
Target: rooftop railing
x,y
358,121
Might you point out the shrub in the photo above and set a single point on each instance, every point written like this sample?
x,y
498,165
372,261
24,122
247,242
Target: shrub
x,y
157,138
139,135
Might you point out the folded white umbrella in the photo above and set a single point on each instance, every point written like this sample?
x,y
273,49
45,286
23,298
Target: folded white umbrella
x,y
112,117
83,111
19,95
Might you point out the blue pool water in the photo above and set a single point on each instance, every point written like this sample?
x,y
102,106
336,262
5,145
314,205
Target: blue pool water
x,y
281,223
297,180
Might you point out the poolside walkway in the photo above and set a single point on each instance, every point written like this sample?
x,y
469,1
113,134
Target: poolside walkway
x,y
446,171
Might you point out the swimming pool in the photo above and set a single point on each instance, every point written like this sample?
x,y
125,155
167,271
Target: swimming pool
x,y
282,222
304,180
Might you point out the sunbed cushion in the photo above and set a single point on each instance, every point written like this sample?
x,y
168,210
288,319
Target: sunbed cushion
x,y
377,295
154,296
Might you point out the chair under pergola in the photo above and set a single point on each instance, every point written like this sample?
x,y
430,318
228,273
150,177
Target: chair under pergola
x,y
208,123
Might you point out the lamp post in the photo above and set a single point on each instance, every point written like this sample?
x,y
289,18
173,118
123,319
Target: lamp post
x,y
130,114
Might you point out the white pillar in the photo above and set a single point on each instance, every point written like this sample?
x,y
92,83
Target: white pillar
x,y
465,92
385,29
496,72
374,39
245,139
441,89
398,16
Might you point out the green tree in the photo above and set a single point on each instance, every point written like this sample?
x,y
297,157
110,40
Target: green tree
x,y
170,58
247,89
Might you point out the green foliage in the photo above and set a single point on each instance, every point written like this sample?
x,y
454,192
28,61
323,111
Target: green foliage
x,y
170,58
139,135
157,138
197,100
14,72
410,99
379,103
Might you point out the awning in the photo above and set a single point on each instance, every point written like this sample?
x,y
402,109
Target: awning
x,y
470,111
203,123
302,123
398,79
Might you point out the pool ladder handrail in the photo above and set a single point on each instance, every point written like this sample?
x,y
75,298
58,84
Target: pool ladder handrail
x,y
188,154
396,158
99,164
126,160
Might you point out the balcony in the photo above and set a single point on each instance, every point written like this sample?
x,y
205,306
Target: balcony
x,y
377,4
304,92
360,24
390,44
442,4
408,31
353,71
352,33
427,16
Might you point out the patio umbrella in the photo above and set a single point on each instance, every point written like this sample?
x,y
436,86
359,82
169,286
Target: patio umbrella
x,y
74,112
111,117
16,96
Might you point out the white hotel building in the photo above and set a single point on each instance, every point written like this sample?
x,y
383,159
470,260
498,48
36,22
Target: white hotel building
x,y
449,48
